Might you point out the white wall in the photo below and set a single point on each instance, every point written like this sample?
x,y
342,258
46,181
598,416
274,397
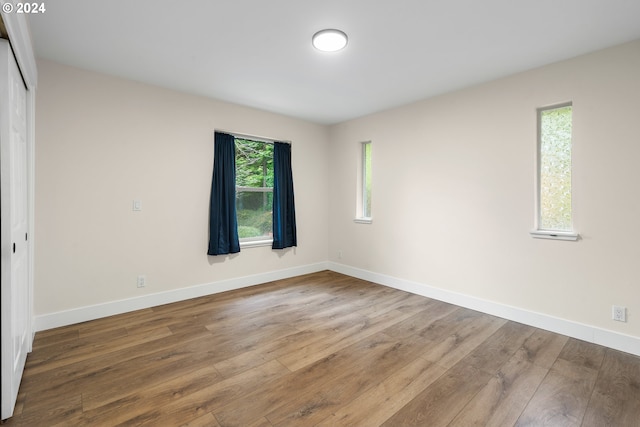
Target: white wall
x,y
104,141
453,192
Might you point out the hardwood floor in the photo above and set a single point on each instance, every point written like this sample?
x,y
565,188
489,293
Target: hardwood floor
x,y
322,349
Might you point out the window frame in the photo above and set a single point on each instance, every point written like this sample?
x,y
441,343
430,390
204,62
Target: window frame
x,y
538,231
249,242
364,174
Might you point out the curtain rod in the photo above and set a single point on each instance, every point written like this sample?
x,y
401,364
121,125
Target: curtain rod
x,y
253,137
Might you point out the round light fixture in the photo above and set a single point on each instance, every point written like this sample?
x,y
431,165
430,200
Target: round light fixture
x,y
329,40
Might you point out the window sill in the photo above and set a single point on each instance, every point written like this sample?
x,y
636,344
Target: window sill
x,y
555,235
363,220
256,243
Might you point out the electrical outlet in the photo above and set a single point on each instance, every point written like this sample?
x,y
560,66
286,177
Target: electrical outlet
x,y
619,313
142,281
339,254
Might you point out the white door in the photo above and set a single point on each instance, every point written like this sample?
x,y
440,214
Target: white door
x,y
15,226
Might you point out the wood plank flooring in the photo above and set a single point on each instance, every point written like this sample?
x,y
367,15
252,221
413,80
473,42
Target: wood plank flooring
x,y
322,349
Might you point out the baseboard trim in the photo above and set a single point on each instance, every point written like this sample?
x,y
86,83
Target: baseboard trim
x,y
92,312
607,338
611,339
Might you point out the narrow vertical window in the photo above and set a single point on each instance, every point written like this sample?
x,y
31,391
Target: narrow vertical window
x,y
364,182
254,189
366,179
554,173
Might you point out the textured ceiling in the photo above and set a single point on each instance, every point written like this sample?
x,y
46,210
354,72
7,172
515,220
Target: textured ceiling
x,y
258,53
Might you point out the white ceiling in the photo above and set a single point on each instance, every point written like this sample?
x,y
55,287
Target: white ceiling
x,y
258,52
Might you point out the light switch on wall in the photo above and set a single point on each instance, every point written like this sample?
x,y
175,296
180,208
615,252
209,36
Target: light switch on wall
x,y
137,205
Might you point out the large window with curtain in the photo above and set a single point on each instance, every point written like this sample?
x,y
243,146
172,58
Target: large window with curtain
x,y
252,200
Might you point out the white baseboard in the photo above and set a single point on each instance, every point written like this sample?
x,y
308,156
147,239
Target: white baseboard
x,y
611,339
83,314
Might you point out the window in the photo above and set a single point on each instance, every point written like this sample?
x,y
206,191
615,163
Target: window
x,y
366,179
254,190
554,212
252,198
363,213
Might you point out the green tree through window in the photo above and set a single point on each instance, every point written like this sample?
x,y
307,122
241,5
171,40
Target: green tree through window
x,y
254,189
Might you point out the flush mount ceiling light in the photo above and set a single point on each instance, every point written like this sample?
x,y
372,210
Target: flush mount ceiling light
x,y
329,40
